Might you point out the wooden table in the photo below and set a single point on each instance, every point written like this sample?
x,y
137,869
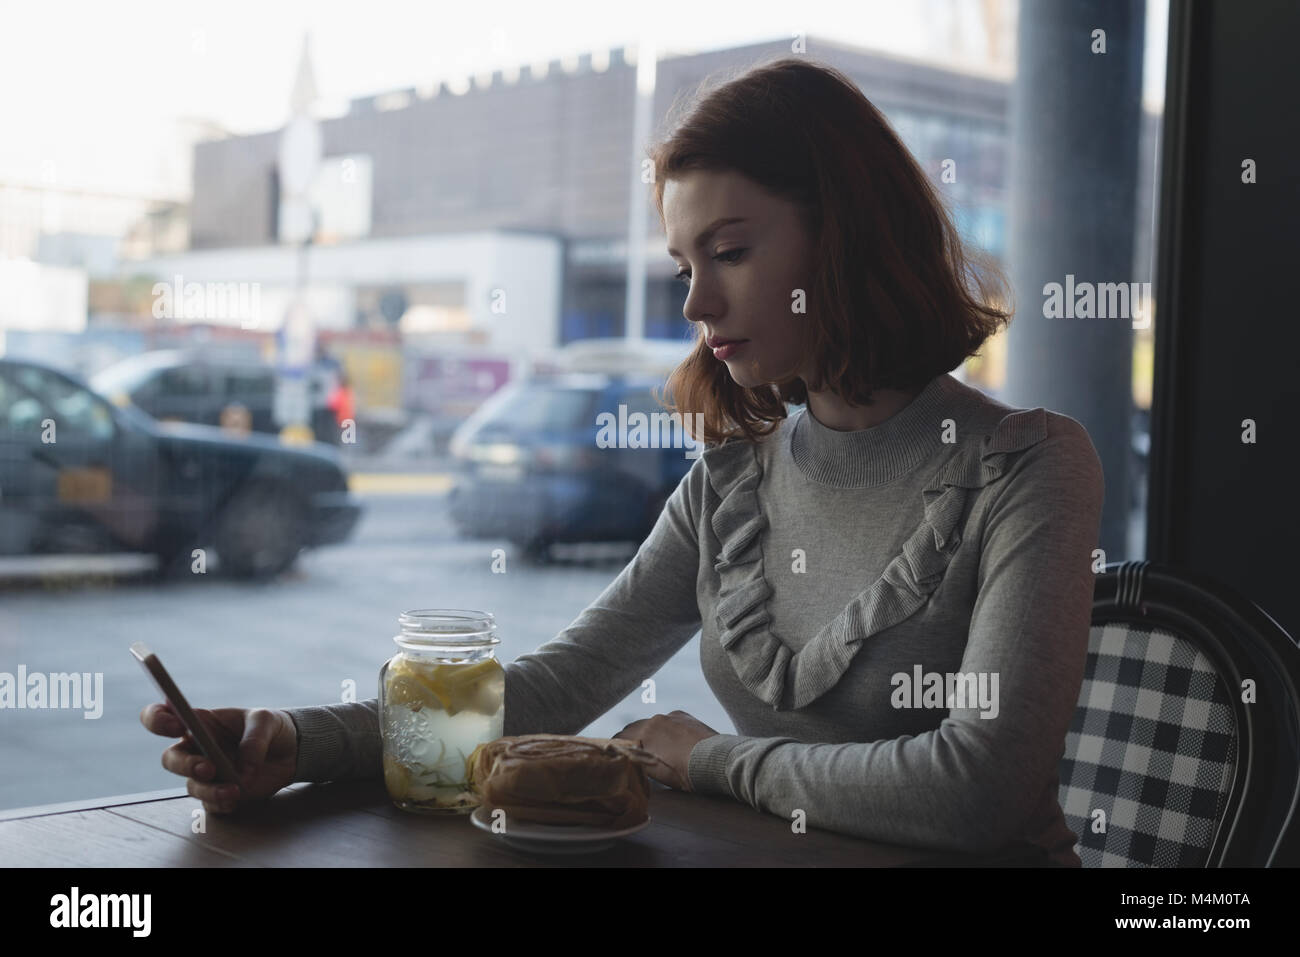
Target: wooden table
x,y
353,824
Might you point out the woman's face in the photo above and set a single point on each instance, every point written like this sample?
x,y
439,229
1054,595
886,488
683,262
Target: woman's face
x,y
742,275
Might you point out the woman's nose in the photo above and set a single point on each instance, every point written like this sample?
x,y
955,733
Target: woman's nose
x,y
699,305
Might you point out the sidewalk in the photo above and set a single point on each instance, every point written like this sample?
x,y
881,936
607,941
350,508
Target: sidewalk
x,y
379,474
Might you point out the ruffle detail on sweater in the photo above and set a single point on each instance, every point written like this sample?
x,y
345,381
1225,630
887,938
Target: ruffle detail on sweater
x,y
764,664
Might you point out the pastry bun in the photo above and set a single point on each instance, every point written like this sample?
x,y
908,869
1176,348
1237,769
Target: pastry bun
x,y
564,779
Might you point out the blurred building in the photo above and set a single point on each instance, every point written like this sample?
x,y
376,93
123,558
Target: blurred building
x,y
495,212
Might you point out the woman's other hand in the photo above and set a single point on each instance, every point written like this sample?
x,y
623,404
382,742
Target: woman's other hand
x,y
261,743
670,738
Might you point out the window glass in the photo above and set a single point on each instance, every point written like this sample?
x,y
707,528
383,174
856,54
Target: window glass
x,y
183,382
20,412
75,411
392,282
541,408
249,384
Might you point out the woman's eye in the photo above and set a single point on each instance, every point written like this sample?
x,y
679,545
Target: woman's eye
x,y
730,256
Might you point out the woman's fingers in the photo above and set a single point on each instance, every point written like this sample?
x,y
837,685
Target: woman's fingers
x,y
183,759
187,759
666,775
631,731
160,719
217,798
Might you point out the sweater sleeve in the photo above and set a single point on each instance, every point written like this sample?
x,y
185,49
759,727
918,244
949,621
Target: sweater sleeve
x,y
338,741
972,783
623,637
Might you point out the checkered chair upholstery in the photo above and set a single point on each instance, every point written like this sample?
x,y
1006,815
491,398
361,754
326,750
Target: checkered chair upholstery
x,y
1151,753
1168,763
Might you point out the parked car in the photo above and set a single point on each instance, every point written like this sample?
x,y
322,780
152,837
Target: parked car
x,y
176,385
530,469
79,474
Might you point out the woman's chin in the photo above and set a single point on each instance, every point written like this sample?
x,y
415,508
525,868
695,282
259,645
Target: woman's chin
x,y
746,374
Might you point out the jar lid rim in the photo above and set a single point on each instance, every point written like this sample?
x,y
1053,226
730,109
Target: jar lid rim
x,y
449,627
448,614
434,641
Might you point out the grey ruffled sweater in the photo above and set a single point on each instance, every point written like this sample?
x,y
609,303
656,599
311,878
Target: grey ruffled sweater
x,y
896,620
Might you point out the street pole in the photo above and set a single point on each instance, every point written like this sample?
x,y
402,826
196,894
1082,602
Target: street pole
x,y
637,218
299,159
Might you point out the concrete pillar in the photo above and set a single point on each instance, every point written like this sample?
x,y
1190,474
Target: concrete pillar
x,y
1074,125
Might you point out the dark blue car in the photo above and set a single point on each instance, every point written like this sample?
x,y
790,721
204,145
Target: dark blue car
x,y
550,460
78,474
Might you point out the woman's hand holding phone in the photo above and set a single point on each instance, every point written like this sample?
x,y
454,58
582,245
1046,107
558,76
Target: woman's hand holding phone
x,y
262,743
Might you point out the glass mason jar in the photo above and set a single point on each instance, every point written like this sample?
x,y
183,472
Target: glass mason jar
x,y
440,697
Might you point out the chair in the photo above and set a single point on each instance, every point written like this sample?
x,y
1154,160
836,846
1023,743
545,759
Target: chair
x,y
1186,772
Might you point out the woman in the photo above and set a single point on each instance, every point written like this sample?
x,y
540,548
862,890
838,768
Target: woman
x,y
893,586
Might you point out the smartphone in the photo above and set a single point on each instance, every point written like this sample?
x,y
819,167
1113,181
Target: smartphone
x,y
207,744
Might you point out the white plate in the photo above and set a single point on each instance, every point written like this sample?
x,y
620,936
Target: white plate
x,y
553,838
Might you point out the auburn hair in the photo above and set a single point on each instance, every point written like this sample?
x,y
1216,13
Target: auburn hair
x,y
896,300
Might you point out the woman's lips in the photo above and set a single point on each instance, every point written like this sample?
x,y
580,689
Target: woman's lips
x,y
728,349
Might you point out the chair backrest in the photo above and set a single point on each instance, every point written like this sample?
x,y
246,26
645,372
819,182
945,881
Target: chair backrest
x,y
1184,750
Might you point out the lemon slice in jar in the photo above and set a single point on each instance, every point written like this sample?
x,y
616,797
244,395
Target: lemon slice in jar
x,y
396,778
467,686
487,695
458,675
411,692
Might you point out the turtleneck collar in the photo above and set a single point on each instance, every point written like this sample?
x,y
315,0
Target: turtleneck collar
x,y
880,454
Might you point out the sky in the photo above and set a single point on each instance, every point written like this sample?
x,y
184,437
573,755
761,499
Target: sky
x,y
98,95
